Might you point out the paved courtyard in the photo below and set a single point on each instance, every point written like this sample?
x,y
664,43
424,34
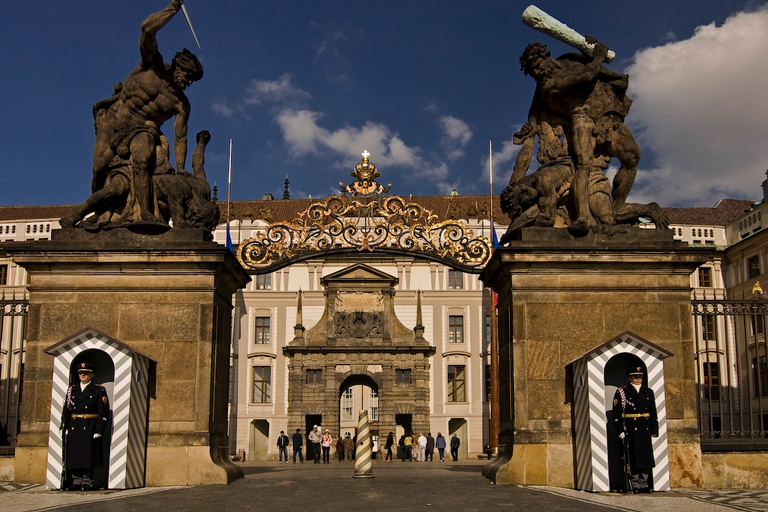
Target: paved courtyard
x,y
398,486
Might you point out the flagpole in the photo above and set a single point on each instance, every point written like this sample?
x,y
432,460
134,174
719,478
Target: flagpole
x,y
495,388
229,197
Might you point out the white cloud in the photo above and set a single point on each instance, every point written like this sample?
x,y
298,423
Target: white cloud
x,y
503,162
457,135
701,107
304,136
279,91
221,107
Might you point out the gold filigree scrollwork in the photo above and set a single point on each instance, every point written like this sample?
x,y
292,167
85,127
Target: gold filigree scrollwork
x,y
366,222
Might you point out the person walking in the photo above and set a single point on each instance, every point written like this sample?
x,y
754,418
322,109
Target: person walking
x,y
326,443
440,445
298,444
315,438
388,446
282,446
340,448
422,447
401,447
408,443
349,447
430,451
455,442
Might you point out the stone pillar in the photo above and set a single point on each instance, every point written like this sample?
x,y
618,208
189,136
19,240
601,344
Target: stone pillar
x,y
169,296
559,297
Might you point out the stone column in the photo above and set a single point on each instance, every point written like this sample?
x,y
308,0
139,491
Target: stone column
x,y
168,296
559,297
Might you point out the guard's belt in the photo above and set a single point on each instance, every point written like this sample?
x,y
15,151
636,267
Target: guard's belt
x,y
85,416
643,415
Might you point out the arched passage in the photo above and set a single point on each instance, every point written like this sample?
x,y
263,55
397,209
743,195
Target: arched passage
x,y
358,393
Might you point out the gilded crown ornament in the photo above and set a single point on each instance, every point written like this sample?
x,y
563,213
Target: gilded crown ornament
x,y
362,219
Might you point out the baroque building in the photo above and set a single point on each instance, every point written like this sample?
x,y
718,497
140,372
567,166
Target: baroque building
x,y
331,325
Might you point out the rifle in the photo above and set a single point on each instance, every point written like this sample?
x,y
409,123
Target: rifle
x,y
63,456
627,467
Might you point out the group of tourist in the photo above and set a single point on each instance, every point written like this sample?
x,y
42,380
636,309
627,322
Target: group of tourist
x,y
423,445
320,444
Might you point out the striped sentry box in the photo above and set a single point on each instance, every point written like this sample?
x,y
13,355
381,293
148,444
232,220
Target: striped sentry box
x,y
128,401
591,440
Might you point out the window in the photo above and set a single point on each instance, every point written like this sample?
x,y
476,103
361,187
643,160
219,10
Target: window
x,y
708,328
455,279
374,405
760,375
347,404
262,330
487,328
705,277
487,383
456,379
262,381
757,323
753,267
314,376
231,384
3,275
264,282
711,381
455,329
402,376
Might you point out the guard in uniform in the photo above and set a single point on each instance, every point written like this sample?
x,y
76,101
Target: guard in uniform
x,y
84,420
634,416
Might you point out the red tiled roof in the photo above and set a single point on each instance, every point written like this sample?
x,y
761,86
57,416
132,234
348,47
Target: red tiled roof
x,y
15,213
723,213
444,207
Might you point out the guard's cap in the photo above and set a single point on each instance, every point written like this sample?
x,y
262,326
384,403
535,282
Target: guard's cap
x,y
314,427
85,367
637,370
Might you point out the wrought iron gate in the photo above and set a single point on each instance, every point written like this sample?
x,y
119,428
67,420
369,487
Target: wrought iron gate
x,y
732,372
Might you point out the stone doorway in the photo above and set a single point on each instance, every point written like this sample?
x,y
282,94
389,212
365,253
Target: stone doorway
x,y
310,420
458,426
259,440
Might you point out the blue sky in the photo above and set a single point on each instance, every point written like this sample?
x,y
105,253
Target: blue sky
x,y
303,87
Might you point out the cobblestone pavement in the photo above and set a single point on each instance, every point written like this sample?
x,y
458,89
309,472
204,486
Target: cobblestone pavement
x,y
270,486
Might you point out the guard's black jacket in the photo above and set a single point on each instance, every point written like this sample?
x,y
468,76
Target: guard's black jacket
x,y
83,451
639,429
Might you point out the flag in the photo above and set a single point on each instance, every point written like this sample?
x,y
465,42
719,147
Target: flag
x,y
229,240
494,238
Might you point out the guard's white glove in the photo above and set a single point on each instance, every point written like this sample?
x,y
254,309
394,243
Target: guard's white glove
x,y
622,435
96,436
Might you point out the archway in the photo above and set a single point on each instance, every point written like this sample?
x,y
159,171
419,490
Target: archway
x,y
358,393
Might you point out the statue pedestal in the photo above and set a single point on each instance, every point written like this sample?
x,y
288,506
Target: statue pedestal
x,y
168,296
559,298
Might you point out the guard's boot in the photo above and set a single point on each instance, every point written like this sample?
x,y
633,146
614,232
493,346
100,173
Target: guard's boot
x,y
77,483
87,484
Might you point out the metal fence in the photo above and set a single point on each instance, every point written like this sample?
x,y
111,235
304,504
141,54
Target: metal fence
x,y
732,372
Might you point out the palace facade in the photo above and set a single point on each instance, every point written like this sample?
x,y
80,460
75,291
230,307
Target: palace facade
x,y
337,326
